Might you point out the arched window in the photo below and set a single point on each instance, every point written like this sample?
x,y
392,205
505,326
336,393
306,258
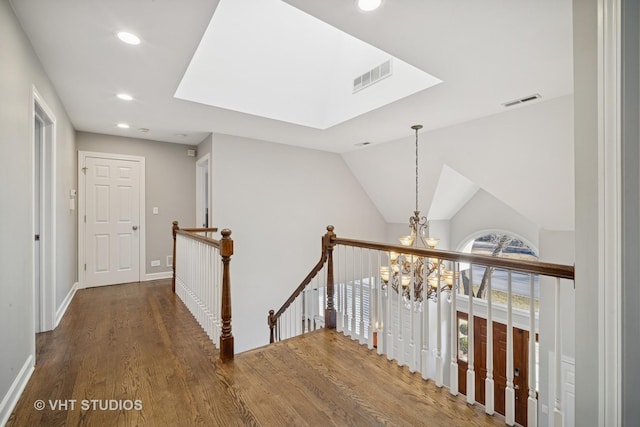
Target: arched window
x,y
505,245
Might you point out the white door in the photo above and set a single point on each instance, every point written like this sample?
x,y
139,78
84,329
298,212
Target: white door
x,y
112,234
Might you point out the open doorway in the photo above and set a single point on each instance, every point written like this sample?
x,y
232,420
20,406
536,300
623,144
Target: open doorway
x,y
43,215
202,192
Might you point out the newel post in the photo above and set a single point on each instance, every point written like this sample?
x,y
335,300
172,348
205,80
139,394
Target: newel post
x,y
272,325
174,231
226,338
330,311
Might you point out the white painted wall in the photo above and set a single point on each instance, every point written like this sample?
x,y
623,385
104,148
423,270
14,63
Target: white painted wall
x,y
588,241
19,71
170,186
278,200
485,212
524,157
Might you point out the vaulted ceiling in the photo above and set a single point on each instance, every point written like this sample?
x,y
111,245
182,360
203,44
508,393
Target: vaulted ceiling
x,y
485,52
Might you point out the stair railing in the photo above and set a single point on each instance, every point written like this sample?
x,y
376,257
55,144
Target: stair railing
x,y
302,312
202,280
346,291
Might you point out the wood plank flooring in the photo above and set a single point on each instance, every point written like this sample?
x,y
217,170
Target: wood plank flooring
x,y
137,345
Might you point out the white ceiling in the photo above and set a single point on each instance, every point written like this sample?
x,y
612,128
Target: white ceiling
x,y
292,67
486,52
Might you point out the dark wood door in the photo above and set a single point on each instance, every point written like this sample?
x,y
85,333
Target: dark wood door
x,y
520,365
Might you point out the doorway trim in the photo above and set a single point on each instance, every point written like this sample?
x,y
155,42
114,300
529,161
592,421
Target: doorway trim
x,y
203,193
82,156
47,206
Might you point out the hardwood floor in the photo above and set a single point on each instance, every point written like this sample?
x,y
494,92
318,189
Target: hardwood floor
x,y
133,355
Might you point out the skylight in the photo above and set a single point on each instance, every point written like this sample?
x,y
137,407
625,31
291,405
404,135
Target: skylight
x,y
269,59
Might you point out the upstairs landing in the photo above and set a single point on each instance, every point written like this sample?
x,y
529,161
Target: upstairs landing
x,y
138,342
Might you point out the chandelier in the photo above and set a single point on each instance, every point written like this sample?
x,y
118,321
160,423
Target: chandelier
x,y
403,269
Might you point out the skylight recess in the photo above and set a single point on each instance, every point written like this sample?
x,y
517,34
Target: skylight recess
x,y
269,59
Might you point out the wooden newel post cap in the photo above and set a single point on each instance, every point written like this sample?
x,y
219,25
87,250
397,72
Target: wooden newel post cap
x,y
270,318
226,247
330,228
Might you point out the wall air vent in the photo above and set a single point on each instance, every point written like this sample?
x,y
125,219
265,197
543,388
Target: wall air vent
x,y
372,76
522,100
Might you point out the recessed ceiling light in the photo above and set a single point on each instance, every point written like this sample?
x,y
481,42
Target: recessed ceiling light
x,y
181,135
143,129
123,126
368,5
128,37
125,96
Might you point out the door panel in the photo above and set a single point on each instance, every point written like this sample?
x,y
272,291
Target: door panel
x,y
520,365
112,237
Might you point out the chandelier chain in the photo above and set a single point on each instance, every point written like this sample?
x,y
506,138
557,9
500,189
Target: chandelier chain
x,y
416,169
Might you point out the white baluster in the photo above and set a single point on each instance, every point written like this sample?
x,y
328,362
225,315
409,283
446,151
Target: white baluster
x,y
489,384
338,289
532,401
373,315
471,374
558,416
509,393
390,341
315,311
379,313
439,367
453,369
361,325
345,291
352,323
425,321
306,309
400,326
412,302
298,316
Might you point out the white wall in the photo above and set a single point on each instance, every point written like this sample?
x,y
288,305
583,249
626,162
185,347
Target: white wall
x,y
170,186
589,383
485,212
524,157
19,71
278,200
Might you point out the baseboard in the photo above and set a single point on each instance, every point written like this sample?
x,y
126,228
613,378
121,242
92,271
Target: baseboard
x,y
157,276
10,400
65,304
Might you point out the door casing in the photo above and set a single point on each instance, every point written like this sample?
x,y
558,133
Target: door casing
x,y
44,319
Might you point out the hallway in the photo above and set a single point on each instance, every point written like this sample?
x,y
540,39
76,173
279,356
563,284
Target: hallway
x,y
133,355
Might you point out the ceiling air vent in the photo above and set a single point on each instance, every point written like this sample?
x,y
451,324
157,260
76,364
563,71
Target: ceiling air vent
x,y
372,76
522,100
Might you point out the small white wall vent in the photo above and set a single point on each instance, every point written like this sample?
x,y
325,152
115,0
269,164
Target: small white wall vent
x,y
522,100
372,76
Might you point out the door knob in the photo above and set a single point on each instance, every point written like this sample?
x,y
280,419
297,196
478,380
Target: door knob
x,y
135,227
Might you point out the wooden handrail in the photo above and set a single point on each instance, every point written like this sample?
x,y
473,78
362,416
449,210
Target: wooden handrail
x,y
204,239
273,317
535,267
200,230
225,245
